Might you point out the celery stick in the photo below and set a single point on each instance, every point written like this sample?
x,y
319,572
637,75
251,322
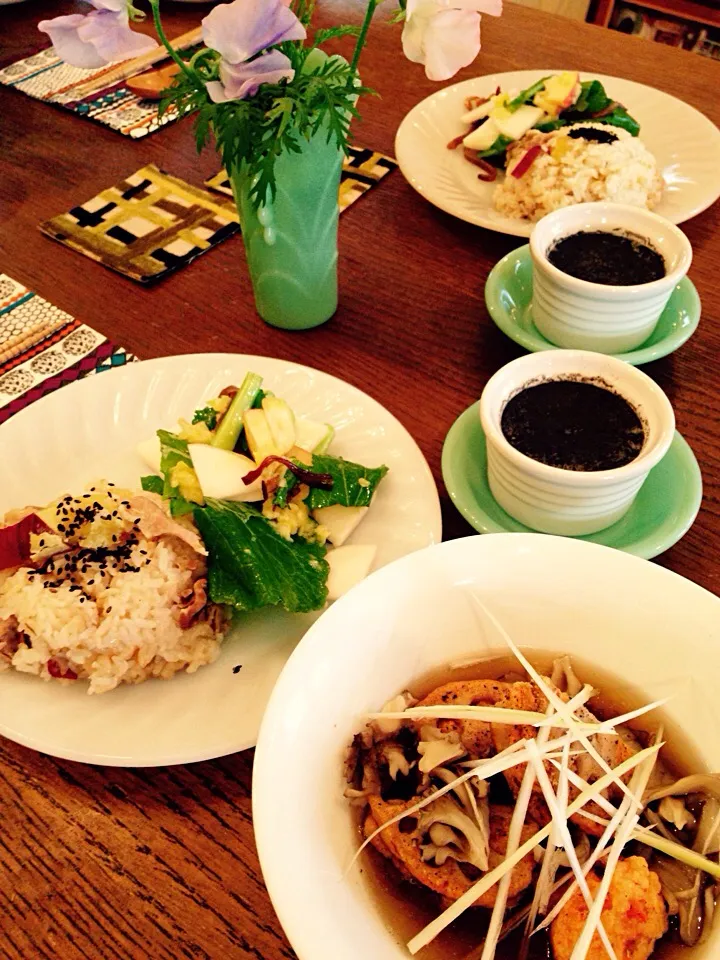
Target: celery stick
x,y
226,435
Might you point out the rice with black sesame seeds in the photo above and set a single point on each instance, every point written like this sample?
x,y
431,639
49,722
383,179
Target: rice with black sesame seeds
x,y
116,605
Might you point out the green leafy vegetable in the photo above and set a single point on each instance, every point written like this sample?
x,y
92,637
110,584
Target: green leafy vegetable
x,y
207,416
173,451
526,95
231,425
287,484
252,566
619,117
592,98
152,484
497,149
546,126
353,484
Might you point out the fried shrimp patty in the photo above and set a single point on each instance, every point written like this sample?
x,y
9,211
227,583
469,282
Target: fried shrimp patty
x,y
633,915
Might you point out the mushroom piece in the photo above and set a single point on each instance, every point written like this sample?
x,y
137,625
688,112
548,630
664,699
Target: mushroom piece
x,y
462,838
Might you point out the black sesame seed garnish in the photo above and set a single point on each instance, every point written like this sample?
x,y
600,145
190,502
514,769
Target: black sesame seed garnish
x,y
237,668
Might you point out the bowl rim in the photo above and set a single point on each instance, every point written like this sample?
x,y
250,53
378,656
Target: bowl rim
x,y
537,363
609,291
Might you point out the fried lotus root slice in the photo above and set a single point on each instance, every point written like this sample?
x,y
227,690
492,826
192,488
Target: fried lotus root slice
x,y
448,880
475,735
614,748
523,696
633,915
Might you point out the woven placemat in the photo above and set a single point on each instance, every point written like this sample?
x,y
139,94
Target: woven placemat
x,y
362,170
146,226
42,348
44,76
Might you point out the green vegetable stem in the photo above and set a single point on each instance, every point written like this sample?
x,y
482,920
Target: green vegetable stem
x,y
231,424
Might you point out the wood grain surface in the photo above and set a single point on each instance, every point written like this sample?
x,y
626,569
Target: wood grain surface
x,y
109,863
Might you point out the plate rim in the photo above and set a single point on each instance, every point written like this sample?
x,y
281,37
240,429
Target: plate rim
x,y
524,228
645,549
496,283
125,373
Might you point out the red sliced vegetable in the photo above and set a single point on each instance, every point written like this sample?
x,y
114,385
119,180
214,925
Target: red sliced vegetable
x,y
306,476
55,670
527,160
456,141
15,540
489,172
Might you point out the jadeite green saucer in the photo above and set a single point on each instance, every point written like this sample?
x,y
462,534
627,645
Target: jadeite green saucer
x,y
508,295
663,511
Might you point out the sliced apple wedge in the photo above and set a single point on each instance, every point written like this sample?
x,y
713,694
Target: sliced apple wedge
x,y
348,566
516,125
150,451
339,521
220,473
478,113
281,421
258,435
484,137
310,434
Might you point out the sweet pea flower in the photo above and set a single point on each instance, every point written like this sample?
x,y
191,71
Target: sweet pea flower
x,y
444,34
240,80
239,31
97,38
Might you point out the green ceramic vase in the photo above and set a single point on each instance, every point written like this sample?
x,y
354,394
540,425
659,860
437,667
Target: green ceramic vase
x,y
291,242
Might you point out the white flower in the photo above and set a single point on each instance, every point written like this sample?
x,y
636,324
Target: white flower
x,y
444,34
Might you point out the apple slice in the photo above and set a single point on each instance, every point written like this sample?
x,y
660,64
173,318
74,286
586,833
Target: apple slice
x,y
220,473
484,137
348,566
478,113
339,521
517,124
150,452
281,421
258,435
310,434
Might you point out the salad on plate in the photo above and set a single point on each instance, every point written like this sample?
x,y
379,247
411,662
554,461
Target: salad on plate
x,y
245,507
560,141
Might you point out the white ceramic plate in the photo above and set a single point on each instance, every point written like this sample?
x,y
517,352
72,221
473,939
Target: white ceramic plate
x,y
88,431
644,623
685,143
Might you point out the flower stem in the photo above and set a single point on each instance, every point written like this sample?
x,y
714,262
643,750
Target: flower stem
x,y
362,36
155,7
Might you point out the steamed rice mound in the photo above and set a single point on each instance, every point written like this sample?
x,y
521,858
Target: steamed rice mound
x,y
122,600
570,171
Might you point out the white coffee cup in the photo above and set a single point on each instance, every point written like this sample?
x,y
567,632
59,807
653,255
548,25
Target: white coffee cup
x,y
571,502
582,315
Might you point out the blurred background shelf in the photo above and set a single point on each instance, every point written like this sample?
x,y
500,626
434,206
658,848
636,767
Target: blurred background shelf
x,y
690,10
692,25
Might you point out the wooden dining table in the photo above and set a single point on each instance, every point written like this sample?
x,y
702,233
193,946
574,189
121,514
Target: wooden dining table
x,y
99,862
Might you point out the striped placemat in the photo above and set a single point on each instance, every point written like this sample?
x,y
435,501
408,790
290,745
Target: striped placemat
x,y
42,348
44,76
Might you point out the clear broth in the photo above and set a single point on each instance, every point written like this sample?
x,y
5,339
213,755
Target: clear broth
x,y
406,908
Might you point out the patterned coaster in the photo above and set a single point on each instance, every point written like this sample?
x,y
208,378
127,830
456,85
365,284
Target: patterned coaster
x,y
146,226
45,76
42,348
362,170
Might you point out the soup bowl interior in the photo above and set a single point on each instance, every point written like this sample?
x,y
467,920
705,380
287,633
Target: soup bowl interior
x,y
653,629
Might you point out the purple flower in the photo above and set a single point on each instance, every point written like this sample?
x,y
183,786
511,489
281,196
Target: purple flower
x,y
97,38
240,80
243,28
